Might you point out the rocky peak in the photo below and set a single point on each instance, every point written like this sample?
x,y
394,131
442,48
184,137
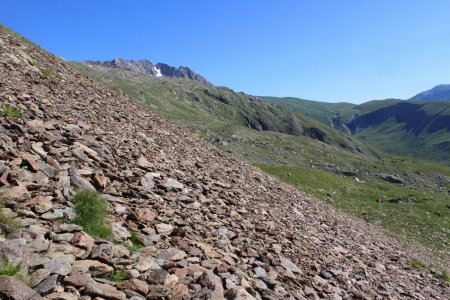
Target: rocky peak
x,y
210,225
147,68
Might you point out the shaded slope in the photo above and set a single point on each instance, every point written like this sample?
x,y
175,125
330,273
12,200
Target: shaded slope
x,y
407,128
234,230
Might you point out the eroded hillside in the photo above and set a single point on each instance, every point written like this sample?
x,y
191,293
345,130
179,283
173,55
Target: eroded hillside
x,y
209,225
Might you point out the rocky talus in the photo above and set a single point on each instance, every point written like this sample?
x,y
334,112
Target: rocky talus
x,y
211,226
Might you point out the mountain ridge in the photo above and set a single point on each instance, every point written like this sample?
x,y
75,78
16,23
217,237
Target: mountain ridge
x,y
144,66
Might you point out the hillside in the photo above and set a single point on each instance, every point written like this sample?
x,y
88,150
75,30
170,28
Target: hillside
x,y
439,92
349,174
209,225
215,112
406,128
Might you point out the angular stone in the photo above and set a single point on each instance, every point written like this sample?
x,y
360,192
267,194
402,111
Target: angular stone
x,y
289,265
119,232
157,276
78,280
146,264
238,293
94,266
172,254
259,272
15,193
147,181
135,285
142,162
104,290
61,296
179,291
56,214
15,289
48,285
66,227
58,266
83,240
145,214
163,228
172,184
42,204
38,276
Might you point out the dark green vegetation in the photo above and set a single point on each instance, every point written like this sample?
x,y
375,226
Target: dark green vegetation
x,y
117,275
90,211
418,265
301,148
408,128
135,243
9,269
10,111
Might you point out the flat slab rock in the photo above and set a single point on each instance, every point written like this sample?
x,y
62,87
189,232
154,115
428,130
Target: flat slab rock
x,y
15,289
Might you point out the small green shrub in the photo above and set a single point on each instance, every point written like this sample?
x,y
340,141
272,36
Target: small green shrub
x,y
417,264
11,111
90,212
117,275
9,269
136,244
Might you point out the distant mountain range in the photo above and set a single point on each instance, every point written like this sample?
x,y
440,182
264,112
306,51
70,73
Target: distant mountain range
x,y
419,127
439,92
145,67
408,128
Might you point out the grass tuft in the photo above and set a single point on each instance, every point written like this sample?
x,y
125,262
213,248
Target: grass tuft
x,y
417,264
10,111
90,211
117,275
9,269
136,244
444,276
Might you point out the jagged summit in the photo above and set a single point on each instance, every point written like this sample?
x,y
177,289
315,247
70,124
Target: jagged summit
x,y
210,225
147,68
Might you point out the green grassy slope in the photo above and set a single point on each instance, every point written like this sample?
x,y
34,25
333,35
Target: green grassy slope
x,y
415,214
206,109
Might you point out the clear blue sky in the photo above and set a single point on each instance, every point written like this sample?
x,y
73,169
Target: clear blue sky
x,y
346,50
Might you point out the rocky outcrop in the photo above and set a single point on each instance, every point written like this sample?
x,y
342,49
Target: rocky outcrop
x,y
211,226
145,67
